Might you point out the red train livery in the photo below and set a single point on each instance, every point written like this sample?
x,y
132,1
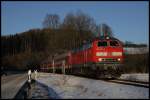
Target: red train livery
x,y
102,57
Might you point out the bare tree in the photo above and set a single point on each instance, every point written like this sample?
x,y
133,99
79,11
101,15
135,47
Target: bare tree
x,y
79,21
107,31
103,30
69,21
51,21
84,22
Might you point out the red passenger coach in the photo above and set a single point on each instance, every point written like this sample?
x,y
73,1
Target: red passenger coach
x,y
102,57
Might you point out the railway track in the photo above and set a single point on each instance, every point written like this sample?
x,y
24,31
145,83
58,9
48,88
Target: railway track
x,y
121,81
128,82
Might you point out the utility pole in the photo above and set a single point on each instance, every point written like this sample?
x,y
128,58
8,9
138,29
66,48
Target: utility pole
x,y
101,29
63,66
53,64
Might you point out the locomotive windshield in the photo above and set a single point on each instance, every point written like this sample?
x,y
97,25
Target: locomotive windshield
x,y
102,43
114,43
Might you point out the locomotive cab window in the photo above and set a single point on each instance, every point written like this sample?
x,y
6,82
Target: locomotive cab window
x,y
102,43
114,43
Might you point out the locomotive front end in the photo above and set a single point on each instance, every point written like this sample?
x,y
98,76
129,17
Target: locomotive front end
x,y
108,57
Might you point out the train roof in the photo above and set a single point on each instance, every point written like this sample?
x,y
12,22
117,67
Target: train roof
x,y
102,38
105,38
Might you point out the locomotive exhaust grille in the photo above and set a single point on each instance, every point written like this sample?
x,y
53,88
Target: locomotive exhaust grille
x,y
109,60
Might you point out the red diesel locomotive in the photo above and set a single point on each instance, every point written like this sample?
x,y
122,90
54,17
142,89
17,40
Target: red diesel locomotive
x,y
102,57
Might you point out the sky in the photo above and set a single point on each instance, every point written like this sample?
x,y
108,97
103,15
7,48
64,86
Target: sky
x,y
129,20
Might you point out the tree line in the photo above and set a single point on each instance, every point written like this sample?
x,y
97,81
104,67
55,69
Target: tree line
x,y
31,47
131,44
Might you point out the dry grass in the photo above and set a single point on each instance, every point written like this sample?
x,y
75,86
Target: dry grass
x,y
137,63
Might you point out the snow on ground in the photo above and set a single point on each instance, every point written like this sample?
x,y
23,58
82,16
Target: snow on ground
x,y
68,86
136,77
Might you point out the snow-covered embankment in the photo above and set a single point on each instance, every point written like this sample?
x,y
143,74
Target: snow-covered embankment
x,y
68,86
136,77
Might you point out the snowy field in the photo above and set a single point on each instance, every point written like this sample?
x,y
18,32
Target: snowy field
x,y
136,77
68,86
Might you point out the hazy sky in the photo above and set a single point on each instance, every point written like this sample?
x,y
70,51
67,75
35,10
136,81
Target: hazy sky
x,y
128,20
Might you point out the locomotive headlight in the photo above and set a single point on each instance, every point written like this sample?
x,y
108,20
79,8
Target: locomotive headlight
x,y
101,54
100,59
116,53
107,37
119,59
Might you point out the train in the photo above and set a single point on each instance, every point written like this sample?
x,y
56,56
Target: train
x,y
101,57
